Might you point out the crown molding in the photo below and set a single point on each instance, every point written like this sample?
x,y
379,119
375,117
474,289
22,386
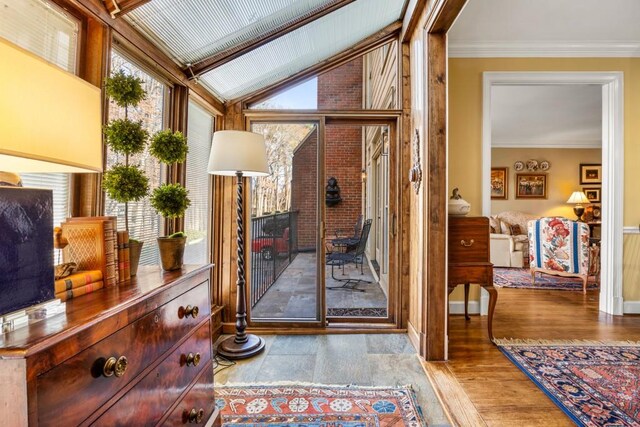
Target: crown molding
x,y
611,49
545,144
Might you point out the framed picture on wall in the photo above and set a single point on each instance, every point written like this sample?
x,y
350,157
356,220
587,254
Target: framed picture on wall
x,y
590,173
531,186
592,193
499,183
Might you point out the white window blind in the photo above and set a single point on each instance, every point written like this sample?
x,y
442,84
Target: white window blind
x,y
144,223
45,30
196,219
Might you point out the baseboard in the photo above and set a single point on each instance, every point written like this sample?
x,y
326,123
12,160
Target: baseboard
x,y
414,337
631,307
457,307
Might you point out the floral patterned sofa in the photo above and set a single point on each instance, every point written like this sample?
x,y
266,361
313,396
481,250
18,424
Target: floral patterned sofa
x,y
509,244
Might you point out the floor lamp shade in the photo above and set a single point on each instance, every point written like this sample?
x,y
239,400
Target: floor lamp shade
x,y
50,120
234,151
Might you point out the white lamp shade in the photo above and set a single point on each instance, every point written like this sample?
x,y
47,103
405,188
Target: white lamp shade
x,y
578,197
234,151
50,120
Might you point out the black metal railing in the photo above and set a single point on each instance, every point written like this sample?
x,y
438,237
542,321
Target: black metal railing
x,y
274,245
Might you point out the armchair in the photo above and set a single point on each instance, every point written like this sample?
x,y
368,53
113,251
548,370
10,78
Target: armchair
x,y
509,244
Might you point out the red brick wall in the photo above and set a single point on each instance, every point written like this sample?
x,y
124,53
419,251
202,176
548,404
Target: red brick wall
x,y
341,88
304,181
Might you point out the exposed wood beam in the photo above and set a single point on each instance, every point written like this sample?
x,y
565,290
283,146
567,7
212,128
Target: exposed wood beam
x,y
370,43
442,14
134,40
118,8
234,52
411,17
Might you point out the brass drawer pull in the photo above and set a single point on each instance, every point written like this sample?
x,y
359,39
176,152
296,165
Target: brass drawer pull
x,y
193,359
195,416
115,366
467,244
189,311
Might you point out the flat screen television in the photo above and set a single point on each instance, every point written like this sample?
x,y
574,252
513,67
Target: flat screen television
x,y
26,248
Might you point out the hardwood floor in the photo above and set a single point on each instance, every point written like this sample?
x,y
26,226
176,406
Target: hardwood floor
x,y
500,393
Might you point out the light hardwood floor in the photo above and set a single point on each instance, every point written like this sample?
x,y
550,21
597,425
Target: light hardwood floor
x,y
497,389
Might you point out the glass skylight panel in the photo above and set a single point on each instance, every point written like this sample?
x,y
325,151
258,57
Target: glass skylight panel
x,y
191,30
302,48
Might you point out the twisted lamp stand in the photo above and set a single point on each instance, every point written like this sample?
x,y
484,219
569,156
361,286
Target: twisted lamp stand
x,y
242,345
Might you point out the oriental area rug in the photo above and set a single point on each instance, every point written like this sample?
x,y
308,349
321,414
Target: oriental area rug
x,y
317,406
521,278
594,383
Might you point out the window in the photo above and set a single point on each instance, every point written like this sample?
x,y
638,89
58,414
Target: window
x,y
45,30
196,219
144,223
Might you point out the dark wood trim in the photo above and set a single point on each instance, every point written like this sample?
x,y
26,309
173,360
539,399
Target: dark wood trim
x,y
442,15
234,52
304,115
404,221
118,8
370,43
178,121
435,254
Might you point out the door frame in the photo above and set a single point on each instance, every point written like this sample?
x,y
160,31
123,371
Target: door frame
x,y
611,296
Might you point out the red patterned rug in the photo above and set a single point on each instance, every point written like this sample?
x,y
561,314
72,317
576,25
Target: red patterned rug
x,y
595,384
521,278
317,406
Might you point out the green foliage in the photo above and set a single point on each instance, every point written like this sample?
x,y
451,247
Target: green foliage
x,y
125,183
170,200
169,147
125,90
178,234
125,136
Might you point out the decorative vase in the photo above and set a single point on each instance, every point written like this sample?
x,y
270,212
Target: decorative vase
x,y
171,252
457,205
135,248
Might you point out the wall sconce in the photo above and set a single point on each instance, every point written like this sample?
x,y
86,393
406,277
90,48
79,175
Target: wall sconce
x,y
385,141
364,174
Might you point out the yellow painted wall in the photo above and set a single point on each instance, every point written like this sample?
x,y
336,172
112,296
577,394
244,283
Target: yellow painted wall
x,y
562,178
465,130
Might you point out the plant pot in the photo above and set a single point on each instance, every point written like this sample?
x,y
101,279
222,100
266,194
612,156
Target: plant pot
x,y
135,248
171,252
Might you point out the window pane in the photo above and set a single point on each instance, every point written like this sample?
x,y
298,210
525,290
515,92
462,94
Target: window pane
x,y
196,219
45,30
144,223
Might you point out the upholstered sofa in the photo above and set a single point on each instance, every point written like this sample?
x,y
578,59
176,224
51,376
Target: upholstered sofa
x,y
509,243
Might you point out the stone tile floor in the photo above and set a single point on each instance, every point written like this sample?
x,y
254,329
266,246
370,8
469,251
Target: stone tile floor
x,y
294,293
384,360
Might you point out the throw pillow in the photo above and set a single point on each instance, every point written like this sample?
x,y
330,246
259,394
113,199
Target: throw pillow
x,y
494,225
515,230
505,228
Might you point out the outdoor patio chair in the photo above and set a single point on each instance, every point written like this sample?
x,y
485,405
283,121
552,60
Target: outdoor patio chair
x,y
350,241
356,257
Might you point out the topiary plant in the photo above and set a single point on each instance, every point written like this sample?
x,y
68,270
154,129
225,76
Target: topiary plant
x,y
169,147
124,182
171,201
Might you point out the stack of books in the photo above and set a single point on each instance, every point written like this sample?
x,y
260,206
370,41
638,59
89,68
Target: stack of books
x,y
77,284
95,244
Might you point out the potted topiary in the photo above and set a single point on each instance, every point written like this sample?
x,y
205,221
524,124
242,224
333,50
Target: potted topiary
x,y
170,200
124,182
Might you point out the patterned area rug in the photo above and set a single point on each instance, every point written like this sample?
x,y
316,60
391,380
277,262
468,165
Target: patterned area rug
x,y
595,384
357,312
521,278
317,406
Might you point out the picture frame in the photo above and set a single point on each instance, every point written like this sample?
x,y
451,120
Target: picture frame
x,y
590,173
499,183
592,193
531,185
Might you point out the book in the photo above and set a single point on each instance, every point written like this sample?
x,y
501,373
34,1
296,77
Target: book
x,y
111,237
80,278
82,290
124,263
90,247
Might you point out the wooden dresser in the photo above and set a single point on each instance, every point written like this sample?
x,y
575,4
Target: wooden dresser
x,y
134,355
469,259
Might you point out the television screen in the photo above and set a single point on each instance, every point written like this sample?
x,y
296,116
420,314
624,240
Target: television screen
x,y
26,248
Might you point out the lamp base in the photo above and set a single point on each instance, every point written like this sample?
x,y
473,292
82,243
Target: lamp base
x,y
233,350
578,210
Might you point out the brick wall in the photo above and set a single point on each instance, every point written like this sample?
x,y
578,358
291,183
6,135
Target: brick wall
x,y
341,88
304,177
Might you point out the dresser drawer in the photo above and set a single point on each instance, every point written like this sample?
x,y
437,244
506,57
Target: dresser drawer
x,y
469,239
198,404
141,343
165,384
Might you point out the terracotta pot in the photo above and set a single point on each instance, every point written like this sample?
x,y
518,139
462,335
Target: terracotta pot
x,y
135,248
171,252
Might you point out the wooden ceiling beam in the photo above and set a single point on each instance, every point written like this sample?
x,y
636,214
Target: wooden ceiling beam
x,y
374,41
240,49
118,8
442,14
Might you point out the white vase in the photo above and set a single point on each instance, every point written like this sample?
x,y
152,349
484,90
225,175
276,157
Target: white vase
x,y
459,207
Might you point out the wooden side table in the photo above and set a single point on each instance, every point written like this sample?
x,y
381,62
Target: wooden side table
x,y
469,260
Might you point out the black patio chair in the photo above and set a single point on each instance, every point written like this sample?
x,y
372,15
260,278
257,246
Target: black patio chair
x,y
351,241
340,259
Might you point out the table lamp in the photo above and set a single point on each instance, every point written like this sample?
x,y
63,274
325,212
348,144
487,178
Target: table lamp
x,y
239,153
578,197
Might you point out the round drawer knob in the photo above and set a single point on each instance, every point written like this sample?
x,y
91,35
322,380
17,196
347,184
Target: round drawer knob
x,y
115,366
196,416
193,359
190,311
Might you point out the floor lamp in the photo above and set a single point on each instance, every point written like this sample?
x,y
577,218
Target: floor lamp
x,y
241,154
